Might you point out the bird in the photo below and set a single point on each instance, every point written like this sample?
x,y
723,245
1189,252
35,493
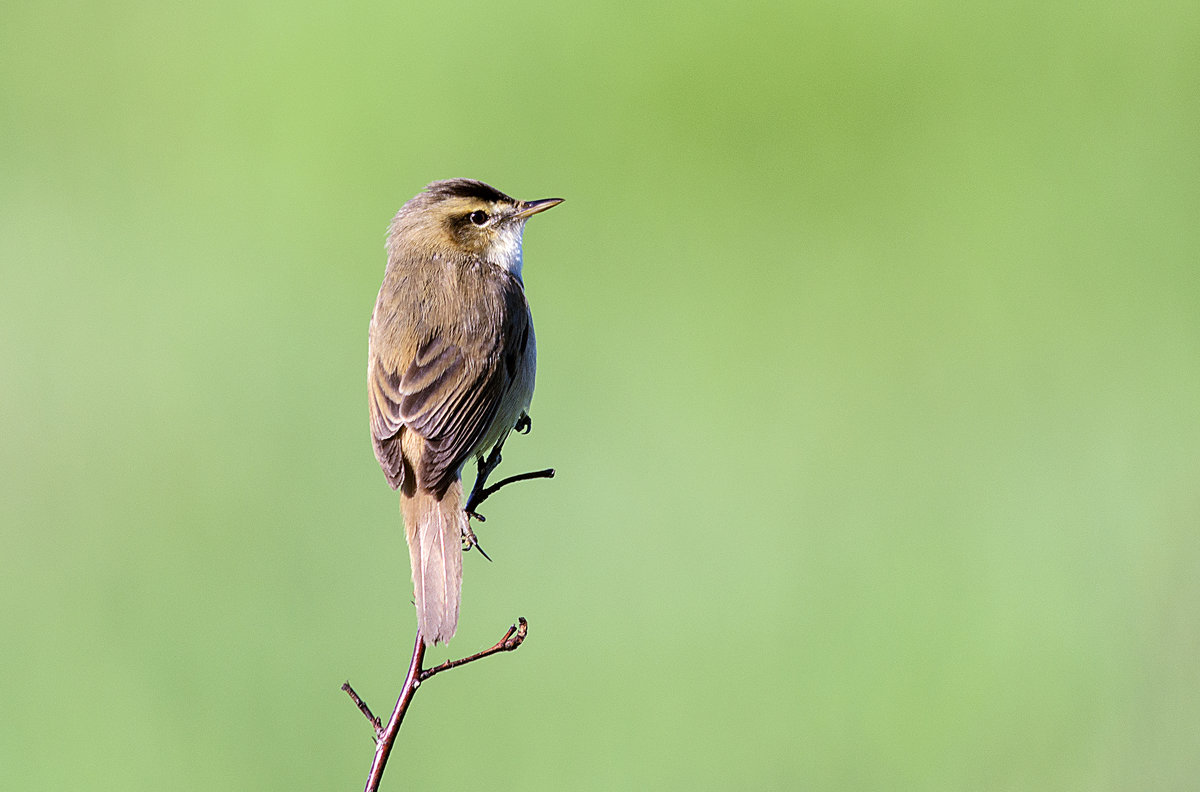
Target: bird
x,y
451,366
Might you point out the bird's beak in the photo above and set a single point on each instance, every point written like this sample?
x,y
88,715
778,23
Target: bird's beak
x,y
530,208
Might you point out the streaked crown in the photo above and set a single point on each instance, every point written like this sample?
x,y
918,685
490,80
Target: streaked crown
x,y
464,217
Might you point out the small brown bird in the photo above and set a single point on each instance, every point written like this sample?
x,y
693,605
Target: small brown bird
x,y
450,370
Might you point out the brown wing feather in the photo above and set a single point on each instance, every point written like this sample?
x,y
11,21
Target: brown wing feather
x,y
443,398
383,397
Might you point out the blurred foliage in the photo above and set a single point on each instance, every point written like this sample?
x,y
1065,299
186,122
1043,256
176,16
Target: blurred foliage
x,y
869,360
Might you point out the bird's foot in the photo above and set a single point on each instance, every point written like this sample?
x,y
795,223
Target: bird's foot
x,y
469,539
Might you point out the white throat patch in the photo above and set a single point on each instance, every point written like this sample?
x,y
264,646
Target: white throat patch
x,y
507,249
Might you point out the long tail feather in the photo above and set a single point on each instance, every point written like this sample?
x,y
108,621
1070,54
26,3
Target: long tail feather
x,y
434,530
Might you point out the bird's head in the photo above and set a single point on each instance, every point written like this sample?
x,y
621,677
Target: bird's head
x,y
465,217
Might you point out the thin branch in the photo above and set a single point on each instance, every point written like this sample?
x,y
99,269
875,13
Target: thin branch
x,y
511,640
384,741
479,495
481,491
483,469
362,706
385,737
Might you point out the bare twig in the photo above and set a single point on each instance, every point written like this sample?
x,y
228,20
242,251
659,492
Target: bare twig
x,y
480,493
511,640
362,706
385,740
385,737
484,467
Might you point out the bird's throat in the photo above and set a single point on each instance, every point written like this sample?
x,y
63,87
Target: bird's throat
x,y
506,251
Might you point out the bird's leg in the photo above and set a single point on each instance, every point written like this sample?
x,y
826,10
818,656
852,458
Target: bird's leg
x,y
487,492
484,468
524,424
481,491
469,540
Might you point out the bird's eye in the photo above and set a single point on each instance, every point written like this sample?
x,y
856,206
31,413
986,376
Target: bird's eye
x,y
479,217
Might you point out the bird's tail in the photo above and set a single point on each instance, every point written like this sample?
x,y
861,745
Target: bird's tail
x,y
434,529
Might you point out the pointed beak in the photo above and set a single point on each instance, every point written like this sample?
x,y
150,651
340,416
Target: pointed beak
x,y
530,208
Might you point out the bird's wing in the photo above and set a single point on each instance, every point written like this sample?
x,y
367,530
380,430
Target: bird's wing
x,y
447,396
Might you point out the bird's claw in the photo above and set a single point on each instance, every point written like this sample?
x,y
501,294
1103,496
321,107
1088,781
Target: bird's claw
x,y
470,540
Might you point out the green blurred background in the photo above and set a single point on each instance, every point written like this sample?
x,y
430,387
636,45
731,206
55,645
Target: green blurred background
x,y
869,359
